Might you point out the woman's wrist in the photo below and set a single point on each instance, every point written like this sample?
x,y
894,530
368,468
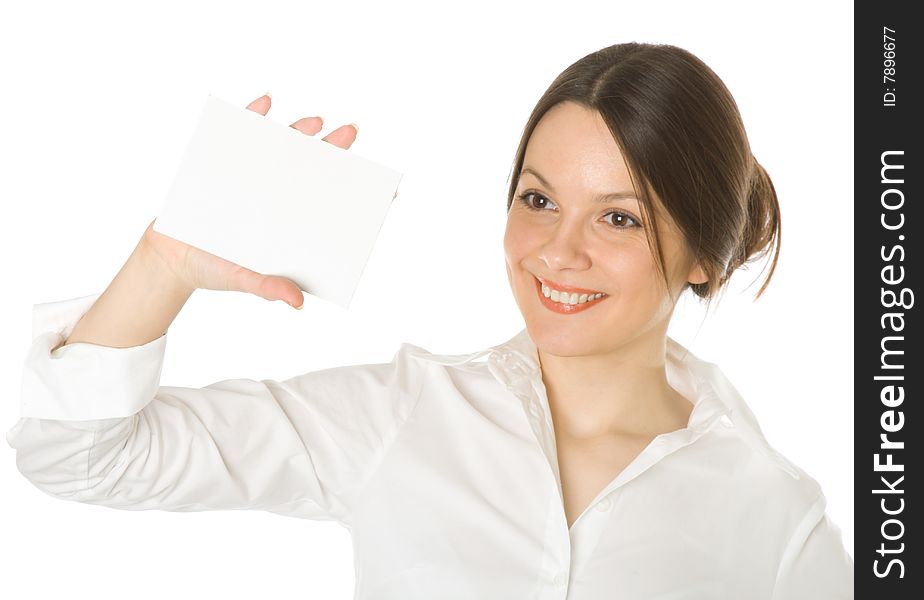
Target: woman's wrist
x,y
138,307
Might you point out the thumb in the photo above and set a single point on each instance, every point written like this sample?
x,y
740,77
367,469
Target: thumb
x,y
299,302
270,287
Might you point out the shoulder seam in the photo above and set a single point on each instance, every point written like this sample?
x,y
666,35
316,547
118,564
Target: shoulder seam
x,y
391,443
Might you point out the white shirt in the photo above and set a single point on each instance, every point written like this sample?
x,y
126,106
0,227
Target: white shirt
x,y
443,468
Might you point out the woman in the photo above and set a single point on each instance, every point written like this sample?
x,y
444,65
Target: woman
x,y
590,456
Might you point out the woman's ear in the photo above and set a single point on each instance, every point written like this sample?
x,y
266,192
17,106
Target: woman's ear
x,y
697,275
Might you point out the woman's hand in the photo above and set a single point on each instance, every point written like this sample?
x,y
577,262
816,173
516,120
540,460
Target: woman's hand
x,y
195,268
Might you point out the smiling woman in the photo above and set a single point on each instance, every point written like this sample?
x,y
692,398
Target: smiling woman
x,y
589,456
572,240
633,182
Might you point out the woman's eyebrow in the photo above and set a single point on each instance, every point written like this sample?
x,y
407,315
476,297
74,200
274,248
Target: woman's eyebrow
x,y
602,198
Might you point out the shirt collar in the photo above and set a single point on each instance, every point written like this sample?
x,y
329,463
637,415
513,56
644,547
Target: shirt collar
x,y
515,364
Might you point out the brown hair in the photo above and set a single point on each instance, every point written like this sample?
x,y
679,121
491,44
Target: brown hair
x,y
682,137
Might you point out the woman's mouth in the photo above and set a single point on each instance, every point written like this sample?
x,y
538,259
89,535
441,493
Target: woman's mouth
x,y
567,302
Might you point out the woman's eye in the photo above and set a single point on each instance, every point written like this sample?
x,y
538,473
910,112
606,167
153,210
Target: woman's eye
x,y
524,199
537,202
621,219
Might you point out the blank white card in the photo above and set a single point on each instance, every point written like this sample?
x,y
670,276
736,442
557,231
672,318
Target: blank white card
x,y
277,201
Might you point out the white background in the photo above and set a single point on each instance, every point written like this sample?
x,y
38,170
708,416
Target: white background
x,y
100,100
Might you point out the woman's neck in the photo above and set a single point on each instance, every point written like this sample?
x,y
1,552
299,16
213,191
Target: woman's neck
x,y
622,393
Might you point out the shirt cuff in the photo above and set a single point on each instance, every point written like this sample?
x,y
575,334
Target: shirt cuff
x,y
83,381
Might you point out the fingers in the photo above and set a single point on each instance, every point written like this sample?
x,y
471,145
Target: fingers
x,y
260,105
309,125
342,137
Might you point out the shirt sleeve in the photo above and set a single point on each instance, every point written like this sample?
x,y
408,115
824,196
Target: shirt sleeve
x,y
815,563
96,427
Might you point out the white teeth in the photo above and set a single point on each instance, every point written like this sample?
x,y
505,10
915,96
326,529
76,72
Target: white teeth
x,y
566,298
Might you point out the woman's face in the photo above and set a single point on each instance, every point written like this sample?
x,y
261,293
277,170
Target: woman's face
x,y
560,232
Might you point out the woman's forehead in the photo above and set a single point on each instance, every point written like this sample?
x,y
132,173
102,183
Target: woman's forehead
x,y
571,146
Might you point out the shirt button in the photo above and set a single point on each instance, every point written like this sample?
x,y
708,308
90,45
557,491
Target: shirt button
x,y
604,505
561,579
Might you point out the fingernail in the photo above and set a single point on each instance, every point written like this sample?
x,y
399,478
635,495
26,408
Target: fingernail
x,y
355,126
298,307
268,95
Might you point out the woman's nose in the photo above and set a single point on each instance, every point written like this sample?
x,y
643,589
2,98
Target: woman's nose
x,y
565,248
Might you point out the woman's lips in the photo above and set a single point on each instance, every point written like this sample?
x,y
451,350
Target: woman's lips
x,y
566,288
566,309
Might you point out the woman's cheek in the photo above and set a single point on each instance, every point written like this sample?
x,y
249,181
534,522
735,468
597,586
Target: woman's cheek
x,y
518,238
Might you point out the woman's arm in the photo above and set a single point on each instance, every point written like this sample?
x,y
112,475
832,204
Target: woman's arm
x,y
98,428
138,306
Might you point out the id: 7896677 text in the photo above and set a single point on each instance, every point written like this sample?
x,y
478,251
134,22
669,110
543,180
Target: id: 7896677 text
x,y
888,67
